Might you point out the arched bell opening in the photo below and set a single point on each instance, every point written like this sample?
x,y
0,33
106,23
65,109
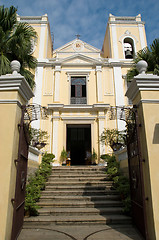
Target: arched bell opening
x,y
128,48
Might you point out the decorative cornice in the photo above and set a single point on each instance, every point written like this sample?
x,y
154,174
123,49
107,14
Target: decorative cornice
x,y
78,118
55,106
8,101
78,107
143,82
100,106
155,101
16,82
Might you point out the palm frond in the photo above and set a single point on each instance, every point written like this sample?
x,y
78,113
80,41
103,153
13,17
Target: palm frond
x,y
28,76
4,65
7,17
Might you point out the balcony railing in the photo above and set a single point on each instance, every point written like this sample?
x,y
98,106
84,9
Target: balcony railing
x,y
76,100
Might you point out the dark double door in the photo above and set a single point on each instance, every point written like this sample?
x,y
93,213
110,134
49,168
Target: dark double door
x,y
78,143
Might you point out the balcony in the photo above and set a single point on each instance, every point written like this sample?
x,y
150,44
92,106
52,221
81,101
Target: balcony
x,y
78,100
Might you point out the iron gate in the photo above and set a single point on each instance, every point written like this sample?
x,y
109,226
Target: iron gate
x,y
136,173
29,113
135,161
21,165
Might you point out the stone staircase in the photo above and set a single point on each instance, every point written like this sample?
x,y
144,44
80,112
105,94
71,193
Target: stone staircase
x,y
79,195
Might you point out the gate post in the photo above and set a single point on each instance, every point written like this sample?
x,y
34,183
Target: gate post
x,y
14,92
144,93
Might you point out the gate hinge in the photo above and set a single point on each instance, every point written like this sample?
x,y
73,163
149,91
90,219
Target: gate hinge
x,y
19,125
146,198
13,201
140,125
16,161
144,160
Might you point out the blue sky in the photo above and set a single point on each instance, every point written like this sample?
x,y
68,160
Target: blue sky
x,y
88,17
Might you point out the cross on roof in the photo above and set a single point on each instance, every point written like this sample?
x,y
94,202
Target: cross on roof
x,y
78,36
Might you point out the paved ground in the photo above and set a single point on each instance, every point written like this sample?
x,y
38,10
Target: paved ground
x,y
93,232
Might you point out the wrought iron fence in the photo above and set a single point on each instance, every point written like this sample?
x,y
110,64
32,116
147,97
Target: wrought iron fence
x,y
76,100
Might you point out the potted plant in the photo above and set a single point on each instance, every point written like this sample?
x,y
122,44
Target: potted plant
x,y
63,157
38,138
114,138
94,157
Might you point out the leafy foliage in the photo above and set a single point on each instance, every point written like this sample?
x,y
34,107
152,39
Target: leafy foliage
x,y
94,156
151,56
63,156
16,44
37,183
114,138
38,136
120,182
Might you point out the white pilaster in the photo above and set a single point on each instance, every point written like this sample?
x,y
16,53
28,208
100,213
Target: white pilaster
x,y
114,40
119,93
142,37
101,119
42,41
57,83
38,92
99,84
55,120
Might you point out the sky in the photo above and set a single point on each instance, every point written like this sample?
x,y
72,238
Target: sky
x,y
88,17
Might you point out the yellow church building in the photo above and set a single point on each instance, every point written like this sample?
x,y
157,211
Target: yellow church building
x,y
78,83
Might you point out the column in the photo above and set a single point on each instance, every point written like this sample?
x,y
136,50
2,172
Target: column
x,y
119,93
38,92
114,40
99,84
101,119
55,119
57,83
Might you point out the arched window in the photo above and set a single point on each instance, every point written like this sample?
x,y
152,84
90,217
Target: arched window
x,y
128,48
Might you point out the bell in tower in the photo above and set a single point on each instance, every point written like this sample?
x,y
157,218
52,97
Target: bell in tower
x,y
128,51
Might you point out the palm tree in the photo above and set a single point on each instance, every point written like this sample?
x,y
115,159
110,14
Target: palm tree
x,y
151,56
16,44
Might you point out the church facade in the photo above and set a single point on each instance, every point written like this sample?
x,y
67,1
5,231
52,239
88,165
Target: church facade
x,y
78,83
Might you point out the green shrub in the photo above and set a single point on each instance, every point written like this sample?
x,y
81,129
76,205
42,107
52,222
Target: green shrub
x,y
36,184
120,183
106,157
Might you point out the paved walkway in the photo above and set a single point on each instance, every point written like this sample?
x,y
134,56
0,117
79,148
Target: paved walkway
x,y
93,232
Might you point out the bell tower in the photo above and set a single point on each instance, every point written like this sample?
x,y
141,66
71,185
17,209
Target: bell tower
x,y
124,37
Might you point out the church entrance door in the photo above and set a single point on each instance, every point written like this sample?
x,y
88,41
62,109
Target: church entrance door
x,y
79,143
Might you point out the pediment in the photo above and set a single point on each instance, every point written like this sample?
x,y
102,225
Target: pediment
x,y
78,46
79,59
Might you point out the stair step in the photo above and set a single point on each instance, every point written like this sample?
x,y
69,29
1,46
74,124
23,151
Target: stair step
x,y
78,192
78,168
77,203
79,195
46,211
79,178
78,174
82,183
80,220
79,198
78,187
